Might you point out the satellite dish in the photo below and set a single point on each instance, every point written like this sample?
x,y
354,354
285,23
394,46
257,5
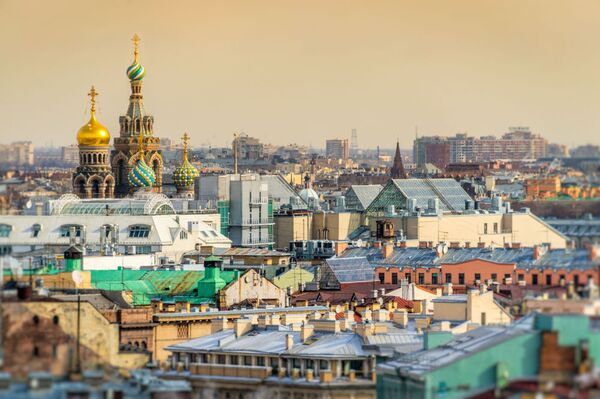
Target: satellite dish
x,y
77,277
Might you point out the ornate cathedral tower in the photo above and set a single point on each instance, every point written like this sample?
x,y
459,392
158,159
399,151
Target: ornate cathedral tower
x,y
93,177
397,171
133,124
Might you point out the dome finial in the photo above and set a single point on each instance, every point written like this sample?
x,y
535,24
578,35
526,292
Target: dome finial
x,y
136,41
93,93
185,139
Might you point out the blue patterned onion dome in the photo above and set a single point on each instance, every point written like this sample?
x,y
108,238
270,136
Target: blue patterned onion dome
x,y
142,175
184,174
136,71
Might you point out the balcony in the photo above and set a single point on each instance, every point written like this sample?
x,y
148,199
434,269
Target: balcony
x,y
253,222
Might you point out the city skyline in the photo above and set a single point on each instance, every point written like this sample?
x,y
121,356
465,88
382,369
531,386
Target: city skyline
x,y
471,67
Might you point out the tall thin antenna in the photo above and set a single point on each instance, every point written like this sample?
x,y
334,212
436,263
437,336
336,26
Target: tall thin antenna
x,y
235,153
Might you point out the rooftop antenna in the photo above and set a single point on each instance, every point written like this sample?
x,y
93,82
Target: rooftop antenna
x,y
235,153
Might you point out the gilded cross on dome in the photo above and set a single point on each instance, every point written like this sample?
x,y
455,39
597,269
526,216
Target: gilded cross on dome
x,y
185,138
136,41
93,93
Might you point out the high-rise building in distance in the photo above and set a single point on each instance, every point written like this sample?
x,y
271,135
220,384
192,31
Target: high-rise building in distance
x,y
337,148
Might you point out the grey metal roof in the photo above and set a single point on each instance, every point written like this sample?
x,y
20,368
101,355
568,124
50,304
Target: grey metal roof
x,y
463,345
456,298
363,194
348,270
452,196
331,345
576,227
522,257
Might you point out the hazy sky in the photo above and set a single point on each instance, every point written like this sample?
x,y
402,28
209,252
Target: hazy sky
x,y
301,71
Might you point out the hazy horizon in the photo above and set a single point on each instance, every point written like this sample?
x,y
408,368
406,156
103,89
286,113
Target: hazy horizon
x,y
303,71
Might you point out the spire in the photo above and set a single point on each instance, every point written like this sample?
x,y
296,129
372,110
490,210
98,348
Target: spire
x,y
397,171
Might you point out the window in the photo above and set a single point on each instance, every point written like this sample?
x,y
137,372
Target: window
x,y
139,231
590,279
576,280
247,360
506,275
562,278
521,277
182,331
36,320
220,359
36,351
394,278
485,231
233,359
183,235
54,351
408,277
548,279
381,277
434,278
55,320
495,228
461,278
5,230
35,230
5,249
494,277
448,277
260,361
534,279
65,230
323,365
421,278
477,277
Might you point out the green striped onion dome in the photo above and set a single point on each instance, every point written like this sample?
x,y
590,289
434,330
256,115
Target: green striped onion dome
x,y
136,71
184,174
142,175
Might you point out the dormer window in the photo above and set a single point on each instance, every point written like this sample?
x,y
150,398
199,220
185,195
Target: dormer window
x,y
5,230
139,231
65,230
35,230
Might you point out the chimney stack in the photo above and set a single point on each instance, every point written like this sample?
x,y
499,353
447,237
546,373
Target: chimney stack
x,y
388,250
289,342
306,330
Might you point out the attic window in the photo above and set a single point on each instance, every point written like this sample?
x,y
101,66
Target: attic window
x,y
139,231
5,230
35,230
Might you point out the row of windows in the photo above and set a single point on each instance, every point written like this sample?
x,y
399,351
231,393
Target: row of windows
x,y
262,361
485,228
93,158
449,278
136,231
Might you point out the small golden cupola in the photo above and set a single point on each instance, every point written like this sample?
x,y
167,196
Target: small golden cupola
x,y
93,133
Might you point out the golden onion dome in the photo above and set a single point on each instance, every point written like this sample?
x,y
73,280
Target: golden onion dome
x,y
93,133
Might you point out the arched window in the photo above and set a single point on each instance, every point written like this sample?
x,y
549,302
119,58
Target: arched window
x,y
5,230
139,231
156,168
55,320
95,189
121,172
36,320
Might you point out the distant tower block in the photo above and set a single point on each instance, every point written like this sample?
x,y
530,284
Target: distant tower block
x,y
354,142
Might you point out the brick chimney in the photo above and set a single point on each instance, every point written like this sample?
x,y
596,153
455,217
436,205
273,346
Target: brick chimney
x,y
537,253
467,244
593,252
388,250
516,245
340,247
481,245
402,244
454,244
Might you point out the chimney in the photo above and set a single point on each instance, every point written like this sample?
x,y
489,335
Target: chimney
x,y
593,252
481,245
402,244
374,294
309,375
340,247
219,324
241,326
388,250
448,290
506,245
306,330
400,317
376,244
422,244
467,244
516,245
482,289
454,244
289,341
536,252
